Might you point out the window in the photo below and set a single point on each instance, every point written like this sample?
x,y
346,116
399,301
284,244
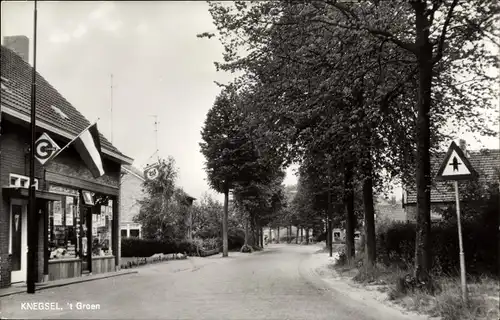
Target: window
x,y
63,228
124,233
134,233
336,234
59,112
19,181
102,226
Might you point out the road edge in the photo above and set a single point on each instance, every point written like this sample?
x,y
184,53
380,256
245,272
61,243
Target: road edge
x,y
308,270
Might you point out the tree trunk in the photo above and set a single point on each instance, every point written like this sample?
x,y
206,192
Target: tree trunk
x,y
270,235
330,218
278,240
349,211
301,235
225,247
327,232
423,254
246,232
307,236
369,236
262,237
252,239
290,240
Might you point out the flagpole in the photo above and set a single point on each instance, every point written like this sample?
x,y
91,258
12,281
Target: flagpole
x,y
73,140
32,218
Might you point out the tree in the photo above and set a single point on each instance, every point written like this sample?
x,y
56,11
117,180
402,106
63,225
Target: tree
x,y
158,211
279,34
230,153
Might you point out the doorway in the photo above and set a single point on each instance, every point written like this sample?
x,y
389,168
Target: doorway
x,y
18,244
85,238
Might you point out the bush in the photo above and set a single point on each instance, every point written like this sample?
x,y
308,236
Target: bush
x,y
396,246
134,247
235,238
287,238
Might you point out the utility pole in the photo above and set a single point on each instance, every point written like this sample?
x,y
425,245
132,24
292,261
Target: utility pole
x,y
32,217
330,210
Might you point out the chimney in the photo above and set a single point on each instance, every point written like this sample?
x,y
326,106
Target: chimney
x,y
18,44
463,146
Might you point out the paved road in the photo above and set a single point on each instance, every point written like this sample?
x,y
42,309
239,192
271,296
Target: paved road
x,y
274,284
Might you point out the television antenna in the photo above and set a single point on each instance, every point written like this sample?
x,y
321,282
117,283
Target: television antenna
x,y
156,134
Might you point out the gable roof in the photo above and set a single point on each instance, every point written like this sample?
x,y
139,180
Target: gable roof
x,y
485,162
16,101
133,171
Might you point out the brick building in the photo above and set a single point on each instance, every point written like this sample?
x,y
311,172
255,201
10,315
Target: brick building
x,y
131,191
485,162
78,215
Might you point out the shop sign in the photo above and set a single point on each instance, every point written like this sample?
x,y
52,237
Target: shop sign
x,y
63,190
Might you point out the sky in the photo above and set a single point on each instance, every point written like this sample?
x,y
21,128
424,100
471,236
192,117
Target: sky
x,y
158,66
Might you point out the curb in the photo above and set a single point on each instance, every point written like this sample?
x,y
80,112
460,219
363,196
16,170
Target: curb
x,y
69,282
309,272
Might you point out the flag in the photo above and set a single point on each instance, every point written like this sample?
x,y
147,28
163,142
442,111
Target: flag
x,y
88,146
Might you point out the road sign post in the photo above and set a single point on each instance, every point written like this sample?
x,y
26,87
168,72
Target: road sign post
x,y
461,246
456,167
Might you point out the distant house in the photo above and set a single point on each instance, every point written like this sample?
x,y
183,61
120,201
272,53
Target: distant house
x,y
389,209
188,218
340,234
485,162
131,191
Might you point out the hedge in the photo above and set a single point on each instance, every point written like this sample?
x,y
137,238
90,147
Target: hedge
x,y
235,239
134,247
286,238
396,245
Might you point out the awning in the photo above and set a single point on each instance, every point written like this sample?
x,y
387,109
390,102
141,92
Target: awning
x,y
24,193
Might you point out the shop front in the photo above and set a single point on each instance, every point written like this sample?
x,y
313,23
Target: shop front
x,y
81,233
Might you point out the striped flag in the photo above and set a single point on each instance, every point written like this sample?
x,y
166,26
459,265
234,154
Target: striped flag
x,y
88,146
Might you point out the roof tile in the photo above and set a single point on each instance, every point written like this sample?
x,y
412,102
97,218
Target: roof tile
x,y
485,162
16,76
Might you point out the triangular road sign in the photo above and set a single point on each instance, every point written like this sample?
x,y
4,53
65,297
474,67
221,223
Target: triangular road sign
x,y
455,166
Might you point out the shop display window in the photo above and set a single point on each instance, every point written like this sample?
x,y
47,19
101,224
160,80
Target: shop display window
x,y
64,228
102,226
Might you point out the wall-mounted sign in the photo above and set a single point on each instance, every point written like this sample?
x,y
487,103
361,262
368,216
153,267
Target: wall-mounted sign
x,y
45,148
87,197
152,172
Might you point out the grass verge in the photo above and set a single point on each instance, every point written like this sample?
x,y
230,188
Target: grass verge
x,y
483,292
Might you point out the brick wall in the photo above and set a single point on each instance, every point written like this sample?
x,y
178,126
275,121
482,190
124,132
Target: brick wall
x,y
12,160
130,192
118,251
14,143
